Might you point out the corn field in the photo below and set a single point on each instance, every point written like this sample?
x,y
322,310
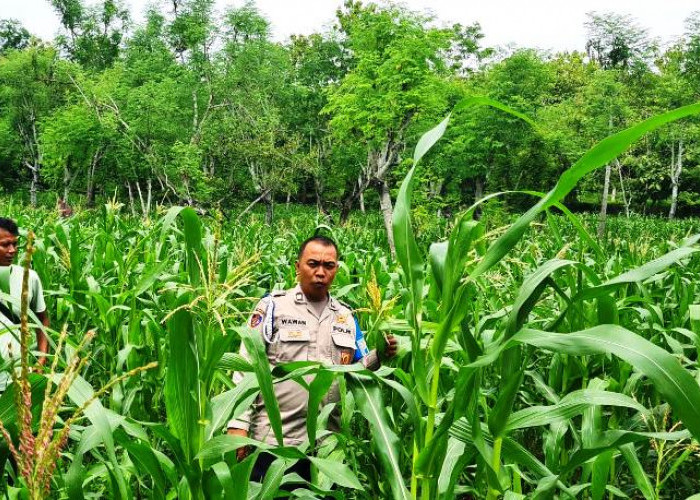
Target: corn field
x,y
534,360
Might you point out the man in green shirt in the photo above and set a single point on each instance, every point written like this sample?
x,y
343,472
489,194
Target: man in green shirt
x,y
11,277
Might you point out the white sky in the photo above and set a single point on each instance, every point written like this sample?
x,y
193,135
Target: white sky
x,y
544,24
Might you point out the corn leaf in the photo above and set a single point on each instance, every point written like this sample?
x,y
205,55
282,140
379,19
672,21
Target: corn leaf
x,y
369,401
671,380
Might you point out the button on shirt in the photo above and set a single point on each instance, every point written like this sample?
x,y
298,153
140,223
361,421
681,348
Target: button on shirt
x,y
293,331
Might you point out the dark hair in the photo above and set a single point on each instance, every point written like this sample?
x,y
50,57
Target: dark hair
x,y
323,240
9,225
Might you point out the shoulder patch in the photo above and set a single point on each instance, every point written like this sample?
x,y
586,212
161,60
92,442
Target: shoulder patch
x,y
255,319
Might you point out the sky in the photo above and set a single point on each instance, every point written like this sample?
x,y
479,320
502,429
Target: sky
x,y
555,25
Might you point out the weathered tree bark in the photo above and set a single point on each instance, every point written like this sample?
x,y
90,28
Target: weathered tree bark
x,y
131,199
362,195
143,202
253,203
149,199
388,213
35,185
676,169
604,203
353,194
66,181
354,191
31,141
318,190
478,189
90,191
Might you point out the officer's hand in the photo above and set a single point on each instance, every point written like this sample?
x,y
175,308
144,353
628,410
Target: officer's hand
x,y
391,347
243,451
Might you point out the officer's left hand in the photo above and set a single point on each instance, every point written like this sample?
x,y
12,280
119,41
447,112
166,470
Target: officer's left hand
x,y
392,346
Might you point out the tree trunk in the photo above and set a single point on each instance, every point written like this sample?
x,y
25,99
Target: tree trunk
x,y
318,188
388,213
91,178
90,194
604,203
676,169
478,189
66,182
356,191
143,203
478,194
35,185
270,210
149,199
362,195
131,199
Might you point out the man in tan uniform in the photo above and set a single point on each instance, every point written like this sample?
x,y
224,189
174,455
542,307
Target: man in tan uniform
x,y
304,324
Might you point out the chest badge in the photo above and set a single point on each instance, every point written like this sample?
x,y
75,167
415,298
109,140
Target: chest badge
x,y
341,319
345,357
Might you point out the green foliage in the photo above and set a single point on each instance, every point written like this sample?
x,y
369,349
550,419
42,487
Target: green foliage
x,y
533,360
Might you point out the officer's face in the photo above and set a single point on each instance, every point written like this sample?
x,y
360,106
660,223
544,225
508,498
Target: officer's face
x,y
8,247
316,270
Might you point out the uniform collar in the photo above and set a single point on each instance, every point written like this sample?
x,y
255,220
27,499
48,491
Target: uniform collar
x,y
300,298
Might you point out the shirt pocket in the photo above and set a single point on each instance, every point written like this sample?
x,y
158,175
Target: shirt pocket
x,y
343,348
293,344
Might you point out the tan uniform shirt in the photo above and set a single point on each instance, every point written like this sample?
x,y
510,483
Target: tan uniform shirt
x,y
295,333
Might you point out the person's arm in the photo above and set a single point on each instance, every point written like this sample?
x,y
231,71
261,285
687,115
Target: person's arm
x,y
372,360
39,307
258,321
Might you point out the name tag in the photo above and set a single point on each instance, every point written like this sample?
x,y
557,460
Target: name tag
x,y
343,329
295,335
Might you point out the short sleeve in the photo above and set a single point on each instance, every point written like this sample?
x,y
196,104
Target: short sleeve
x,y
361,349
38,303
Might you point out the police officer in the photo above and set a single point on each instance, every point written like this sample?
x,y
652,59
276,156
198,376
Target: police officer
x,y
303,324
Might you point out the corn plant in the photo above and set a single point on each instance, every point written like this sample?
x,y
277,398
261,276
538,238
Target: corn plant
x,y
460,423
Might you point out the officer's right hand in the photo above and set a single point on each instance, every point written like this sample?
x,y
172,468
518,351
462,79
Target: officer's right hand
x,y
390,349
243,451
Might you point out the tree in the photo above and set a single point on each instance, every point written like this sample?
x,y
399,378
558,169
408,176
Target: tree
x,y
396,74
487,149
93,35
252,129
13,36
318,61
75,143
30,87
616,42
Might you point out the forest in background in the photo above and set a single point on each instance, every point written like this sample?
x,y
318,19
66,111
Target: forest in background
x,y
204,108
535,361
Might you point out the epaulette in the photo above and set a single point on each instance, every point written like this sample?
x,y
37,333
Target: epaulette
x,y
348,306
278,293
